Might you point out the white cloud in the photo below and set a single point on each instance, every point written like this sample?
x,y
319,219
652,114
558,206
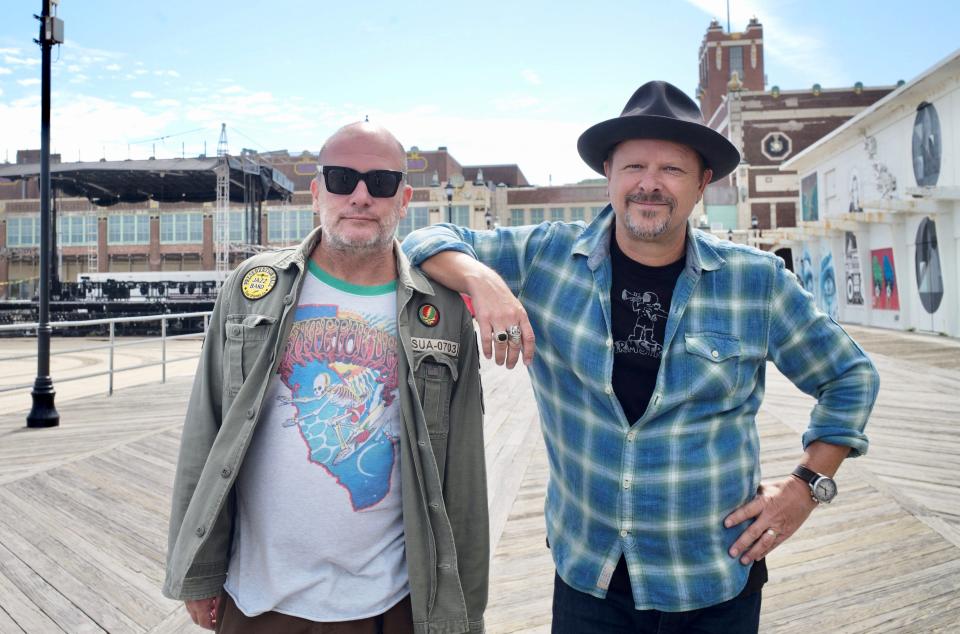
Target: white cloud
x,y
29,82
141,94
74,68
86,125
516,102
20,61
531,76
113,67
79,78
140,71
9,51
5,71
168,103
166,73
232,90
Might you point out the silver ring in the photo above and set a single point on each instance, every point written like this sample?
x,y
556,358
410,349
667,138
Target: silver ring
x,y
500,336
516,336
772,533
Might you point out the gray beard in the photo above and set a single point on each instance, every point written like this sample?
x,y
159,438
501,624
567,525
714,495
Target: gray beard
x,y
647,234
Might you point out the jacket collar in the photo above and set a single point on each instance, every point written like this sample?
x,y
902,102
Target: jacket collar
x,y
594,243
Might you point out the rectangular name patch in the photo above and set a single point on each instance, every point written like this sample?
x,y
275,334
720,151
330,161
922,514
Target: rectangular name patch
x,y
422,344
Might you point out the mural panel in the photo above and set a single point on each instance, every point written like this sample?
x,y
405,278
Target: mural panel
x,y
929,276
885,292
805,272
851,270
828,286
927,145
808,198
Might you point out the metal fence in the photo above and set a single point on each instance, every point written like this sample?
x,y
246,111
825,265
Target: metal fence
x,y
112,345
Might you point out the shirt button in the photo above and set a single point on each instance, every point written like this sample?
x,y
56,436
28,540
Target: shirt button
x,y
422,443
250,413
609,342
714,354
225,473
287,299
434,506
631,436
626,484
201,531
609,389
624,533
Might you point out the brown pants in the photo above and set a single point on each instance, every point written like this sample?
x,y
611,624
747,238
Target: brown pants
x,y
230,620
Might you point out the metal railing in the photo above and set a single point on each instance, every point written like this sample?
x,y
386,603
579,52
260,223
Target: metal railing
x,y
112,345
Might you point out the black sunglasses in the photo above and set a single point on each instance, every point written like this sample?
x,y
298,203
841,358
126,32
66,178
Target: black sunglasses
x,y
343,180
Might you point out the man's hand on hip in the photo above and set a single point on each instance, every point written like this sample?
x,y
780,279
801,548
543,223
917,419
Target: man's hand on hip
x,y
204,611
779,509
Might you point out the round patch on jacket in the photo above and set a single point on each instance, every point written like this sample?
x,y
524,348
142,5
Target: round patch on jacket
x,y
429,315
258,282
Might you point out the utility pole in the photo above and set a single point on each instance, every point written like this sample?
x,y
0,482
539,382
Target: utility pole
x,y
43,413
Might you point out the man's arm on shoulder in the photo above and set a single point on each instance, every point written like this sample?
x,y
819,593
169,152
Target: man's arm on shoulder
x,y
821,359
461,259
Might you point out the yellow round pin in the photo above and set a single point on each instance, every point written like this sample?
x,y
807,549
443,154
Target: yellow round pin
x,y
258,282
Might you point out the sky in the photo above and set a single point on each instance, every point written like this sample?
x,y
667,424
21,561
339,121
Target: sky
x,y
495,82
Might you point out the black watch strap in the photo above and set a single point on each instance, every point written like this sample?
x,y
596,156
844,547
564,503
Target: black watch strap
x,y
807,475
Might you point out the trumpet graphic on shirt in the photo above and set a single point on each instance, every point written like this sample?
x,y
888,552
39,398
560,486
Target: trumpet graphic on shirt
x,y
649,310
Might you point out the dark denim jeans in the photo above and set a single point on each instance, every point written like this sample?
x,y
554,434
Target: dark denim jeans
x,y
575,612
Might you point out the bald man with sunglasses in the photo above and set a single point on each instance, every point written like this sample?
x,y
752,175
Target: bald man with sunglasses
x,y
331,472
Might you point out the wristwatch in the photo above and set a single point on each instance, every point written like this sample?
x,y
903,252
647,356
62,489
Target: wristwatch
x,y
822,488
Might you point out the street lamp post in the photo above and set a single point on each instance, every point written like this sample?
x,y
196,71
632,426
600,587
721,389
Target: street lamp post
x,y
43,413
755,227
449,191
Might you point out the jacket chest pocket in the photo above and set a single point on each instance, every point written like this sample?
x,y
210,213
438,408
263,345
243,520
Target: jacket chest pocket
x,y
435,375
711,367
247,336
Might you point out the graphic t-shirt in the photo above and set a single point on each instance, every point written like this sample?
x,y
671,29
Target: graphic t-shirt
x,y
639,304
319,529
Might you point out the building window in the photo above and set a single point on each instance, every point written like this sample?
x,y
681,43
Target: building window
x,y
289,225
595,211
23,231
516,217
238,227
77,230
461,215
536,215
416,218
736,61
557,214
128,229
181,228
577,213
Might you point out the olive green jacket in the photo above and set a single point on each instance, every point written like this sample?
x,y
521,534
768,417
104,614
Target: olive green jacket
x,y
442,465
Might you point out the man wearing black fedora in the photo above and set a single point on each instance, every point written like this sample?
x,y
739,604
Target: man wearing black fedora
x,y
652,343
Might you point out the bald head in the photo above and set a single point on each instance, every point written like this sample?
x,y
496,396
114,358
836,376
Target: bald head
x,y
371,138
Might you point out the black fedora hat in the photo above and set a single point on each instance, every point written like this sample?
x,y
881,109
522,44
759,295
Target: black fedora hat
x,y
659,110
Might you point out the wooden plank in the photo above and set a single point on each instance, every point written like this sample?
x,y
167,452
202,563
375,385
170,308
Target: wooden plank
x,y
58,609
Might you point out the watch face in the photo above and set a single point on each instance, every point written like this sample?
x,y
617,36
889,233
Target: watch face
x,y
825,489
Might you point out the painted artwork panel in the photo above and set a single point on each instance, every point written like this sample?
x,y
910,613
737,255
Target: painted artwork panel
x,y
828,286
886,294
809,205
852,271
929,274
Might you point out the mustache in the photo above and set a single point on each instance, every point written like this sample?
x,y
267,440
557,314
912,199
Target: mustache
x,y
653,197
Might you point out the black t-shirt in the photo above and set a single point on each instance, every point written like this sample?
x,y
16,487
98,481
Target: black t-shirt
x,y
640,299
639,304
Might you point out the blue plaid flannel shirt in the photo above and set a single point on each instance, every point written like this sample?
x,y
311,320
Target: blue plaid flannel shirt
x,y
657,489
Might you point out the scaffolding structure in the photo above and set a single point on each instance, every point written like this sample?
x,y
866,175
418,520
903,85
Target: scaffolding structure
x,y
221,216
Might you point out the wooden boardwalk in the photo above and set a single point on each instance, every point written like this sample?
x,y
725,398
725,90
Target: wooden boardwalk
x,y
83,509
